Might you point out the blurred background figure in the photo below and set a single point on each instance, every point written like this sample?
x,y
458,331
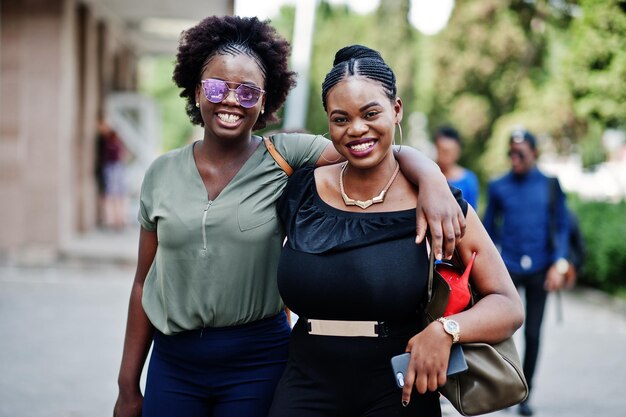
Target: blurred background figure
x,y
110,175
449,147
527,219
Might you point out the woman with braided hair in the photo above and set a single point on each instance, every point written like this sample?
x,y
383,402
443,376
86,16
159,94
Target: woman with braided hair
x,y
352,273
205,295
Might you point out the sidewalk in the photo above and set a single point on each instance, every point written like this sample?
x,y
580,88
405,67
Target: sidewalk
x,y
62,332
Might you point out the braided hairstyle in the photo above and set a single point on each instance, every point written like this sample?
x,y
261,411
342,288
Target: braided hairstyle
x,y
359,60
233,35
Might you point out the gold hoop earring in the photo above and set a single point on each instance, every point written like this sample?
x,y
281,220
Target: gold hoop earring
x,y
322,154
401,138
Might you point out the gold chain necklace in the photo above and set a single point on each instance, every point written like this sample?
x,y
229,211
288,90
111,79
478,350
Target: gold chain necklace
x,y
365,204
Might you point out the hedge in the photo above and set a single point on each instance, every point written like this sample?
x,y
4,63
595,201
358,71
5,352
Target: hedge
x,y
603,226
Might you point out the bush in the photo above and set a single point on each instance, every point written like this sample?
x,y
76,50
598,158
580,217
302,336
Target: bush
x,y
603,226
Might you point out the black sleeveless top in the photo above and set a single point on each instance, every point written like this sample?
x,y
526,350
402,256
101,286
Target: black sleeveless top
x,y
339,265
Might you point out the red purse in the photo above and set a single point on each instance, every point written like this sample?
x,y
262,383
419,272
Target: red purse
x,y
460,294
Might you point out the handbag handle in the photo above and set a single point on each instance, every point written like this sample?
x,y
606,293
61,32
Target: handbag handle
x,y
280,160
431,270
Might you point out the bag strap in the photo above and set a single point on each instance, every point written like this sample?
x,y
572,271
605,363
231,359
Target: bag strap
x,y
277,156
431,270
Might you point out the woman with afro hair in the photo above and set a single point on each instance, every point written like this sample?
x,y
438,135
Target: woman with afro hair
x,y
205,295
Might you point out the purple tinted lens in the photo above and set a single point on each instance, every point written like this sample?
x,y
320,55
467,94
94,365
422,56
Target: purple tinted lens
x,y
215,90
247,96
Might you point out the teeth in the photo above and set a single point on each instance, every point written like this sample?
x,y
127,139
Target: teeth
x,y
228,118
362,146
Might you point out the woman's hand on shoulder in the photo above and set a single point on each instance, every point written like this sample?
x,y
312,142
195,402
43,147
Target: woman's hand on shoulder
x,y
439,212
430,352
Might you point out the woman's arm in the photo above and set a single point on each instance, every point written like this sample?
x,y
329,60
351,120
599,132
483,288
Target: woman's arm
x,y
138,334
437,209
495,317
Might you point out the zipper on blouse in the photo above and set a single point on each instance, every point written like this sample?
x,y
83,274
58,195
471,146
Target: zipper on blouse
x,y
206,209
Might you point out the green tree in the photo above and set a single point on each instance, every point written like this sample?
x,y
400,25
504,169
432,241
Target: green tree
x,y
156,81
487,49
493,69
595,70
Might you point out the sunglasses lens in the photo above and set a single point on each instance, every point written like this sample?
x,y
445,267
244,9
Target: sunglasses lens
x,y
215,90
247,96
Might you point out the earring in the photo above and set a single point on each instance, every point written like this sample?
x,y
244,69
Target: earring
x,y
401,138
262,111
322,154
197,104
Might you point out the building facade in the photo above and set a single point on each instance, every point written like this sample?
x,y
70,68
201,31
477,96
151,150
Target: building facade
x,y
59,61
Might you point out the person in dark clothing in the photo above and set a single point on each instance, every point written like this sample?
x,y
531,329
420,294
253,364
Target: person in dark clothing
x,y
110,175
519,218
352,272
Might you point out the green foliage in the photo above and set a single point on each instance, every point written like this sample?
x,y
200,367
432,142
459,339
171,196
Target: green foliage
x,y
156,81
603,226
481,57
596,66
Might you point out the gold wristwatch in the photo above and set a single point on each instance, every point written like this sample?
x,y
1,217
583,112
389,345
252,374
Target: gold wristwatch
x,y
451,327
562,266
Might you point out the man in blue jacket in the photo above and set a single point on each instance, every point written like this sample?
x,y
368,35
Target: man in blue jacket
x,y
528,222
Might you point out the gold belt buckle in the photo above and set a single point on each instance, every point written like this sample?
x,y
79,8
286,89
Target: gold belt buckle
x,y
343,328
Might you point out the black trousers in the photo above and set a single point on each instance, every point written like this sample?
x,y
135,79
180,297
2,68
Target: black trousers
x,y
535,297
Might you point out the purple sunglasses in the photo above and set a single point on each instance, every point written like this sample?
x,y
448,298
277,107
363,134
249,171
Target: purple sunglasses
x,y
216,91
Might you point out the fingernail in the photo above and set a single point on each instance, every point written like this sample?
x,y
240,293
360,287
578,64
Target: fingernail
x,y
405,403
417,239
438,256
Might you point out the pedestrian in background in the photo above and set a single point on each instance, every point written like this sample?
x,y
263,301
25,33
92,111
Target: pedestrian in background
x,y
528,222
111,176
449,147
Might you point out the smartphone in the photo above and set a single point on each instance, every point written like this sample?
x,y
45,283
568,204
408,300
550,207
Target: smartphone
x,y
456,364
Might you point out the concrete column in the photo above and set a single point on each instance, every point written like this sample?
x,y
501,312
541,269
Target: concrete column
x,y
38,81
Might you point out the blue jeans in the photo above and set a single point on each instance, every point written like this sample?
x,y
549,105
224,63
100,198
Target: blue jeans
x,y
217,372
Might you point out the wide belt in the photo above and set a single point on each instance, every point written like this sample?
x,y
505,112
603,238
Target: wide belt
x,y
361,328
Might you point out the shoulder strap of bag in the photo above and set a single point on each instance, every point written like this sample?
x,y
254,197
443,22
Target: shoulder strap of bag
x,y
288,170
277,156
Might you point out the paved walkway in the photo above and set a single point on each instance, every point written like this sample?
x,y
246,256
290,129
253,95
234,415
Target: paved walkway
x,y
61,334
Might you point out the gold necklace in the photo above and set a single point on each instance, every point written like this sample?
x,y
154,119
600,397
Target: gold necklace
x,y
365,204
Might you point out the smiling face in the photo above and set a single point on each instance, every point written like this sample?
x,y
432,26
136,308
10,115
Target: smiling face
x,y
229,119
362,120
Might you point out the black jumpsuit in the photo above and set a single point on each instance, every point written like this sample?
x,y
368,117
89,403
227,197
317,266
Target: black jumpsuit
x,y
340,265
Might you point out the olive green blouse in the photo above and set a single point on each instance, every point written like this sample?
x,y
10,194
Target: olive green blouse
x,y
216,260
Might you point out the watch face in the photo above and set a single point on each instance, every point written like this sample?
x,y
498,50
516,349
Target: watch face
x,y
452,326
